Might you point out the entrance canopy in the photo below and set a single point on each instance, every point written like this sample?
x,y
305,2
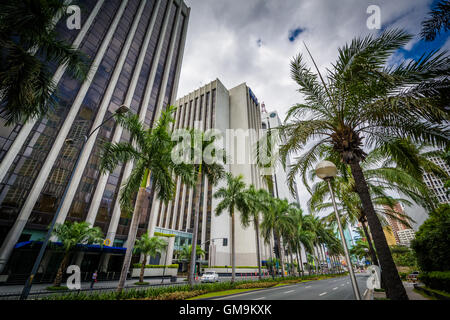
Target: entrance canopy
x,y
81,247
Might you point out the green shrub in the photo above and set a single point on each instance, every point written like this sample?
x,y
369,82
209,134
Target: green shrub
x,y
159,234
432,241
403,275
439,280
154,266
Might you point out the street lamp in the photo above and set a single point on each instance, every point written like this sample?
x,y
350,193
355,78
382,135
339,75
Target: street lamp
x,y
26,289
327,171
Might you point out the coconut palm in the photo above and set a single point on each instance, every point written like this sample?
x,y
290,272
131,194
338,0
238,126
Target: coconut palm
x,y
28,45
278,222
207,164
361,104
148,247
70,235
258,202
151,150
185,253
233,198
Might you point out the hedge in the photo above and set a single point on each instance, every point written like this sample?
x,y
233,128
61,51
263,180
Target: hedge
x,y
439,280
154,266
159,234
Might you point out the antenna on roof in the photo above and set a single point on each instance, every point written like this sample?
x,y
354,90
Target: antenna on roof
x,y
263,107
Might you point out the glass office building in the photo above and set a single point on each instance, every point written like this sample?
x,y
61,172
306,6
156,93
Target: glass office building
x,y
135,50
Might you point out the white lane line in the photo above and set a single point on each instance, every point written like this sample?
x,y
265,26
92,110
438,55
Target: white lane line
x,y
322,293
342,284
335,288
307,287
289,291
259,298
365,292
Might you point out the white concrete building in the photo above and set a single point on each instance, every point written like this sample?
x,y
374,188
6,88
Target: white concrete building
x,y
405,236
216,107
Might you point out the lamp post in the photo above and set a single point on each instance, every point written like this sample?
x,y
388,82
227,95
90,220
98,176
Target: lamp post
x,y
27,287
327,171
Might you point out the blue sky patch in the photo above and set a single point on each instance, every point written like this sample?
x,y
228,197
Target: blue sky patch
x,y
293,34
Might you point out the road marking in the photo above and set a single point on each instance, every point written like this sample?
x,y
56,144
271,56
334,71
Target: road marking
x,y
308,287
343,284
289,291
259,298
335,288
348,282
365,292
322,293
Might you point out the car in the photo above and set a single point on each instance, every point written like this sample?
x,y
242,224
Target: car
x,y
413,276
209,276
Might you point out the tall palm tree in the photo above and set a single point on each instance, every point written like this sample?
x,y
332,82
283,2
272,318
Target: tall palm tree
x,y
439,19
148,247
208,165
233,198
184,254
277,221
70,235
28,45
151,151
258,202
363,103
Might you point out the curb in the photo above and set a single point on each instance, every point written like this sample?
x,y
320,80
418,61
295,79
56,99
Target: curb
x,y
368,294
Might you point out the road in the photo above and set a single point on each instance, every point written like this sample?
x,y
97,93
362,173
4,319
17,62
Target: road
x,y
339,288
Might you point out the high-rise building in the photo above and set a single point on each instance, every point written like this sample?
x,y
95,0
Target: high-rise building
x,y
436,184
405,236
135,50
396,214
231,112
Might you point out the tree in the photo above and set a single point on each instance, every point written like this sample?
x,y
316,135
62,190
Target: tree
x,y
208,165
258,202
186,252
151,150
439,19
28,45
277,221
233,198
70,235
432,239
364,104
148,247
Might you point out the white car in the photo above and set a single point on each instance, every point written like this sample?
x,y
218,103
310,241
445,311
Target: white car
x,y
210,276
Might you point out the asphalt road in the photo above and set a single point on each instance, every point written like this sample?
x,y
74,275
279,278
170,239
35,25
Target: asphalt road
x,y
339,288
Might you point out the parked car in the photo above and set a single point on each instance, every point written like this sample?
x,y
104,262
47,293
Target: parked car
x,y
209,276
413,276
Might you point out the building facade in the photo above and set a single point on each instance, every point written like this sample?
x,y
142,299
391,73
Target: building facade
x,y
231,112
406,236
394,223
435,184
135,50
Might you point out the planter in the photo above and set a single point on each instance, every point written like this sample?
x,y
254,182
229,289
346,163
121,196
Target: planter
x,y
154,272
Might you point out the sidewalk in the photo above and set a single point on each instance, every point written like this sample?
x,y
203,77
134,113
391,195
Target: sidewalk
x,y
409,287
17,289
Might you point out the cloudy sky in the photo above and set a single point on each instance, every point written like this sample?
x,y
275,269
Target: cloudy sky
x,y
253,41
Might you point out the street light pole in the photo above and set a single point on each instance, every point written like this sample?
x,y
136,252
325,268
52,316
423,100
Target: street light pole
x,y
347,256
326,170
27,287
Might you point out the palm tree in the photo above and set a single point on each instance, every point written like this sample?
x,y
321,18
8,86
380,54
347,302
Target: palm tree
x,y
277,221
151,150
258,202
70,235
28,45
208,165
185,253
148,247
364,104
233,198
439,19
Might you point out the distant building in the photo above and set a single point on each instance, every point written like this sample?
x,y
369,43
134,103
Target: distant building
x,y
394,223
405,236
390,238
435,184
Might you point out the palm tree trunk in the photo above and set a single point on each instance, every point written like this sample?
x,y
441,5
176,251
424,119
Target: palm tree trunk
x,y
281,255
197,191
369,241
132,237
258,253
394,287
62,267
299,256
323,254
141,276
233,247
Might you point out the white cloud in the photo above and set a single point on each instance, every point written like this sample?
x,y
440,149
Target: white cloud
x,y
223,35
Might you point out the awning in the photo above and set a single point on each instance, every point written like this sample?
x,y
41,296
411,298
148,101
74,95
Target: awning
x,y
82,247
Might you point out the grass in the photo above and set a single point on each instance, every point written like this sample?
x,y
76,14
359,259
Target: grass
x,y
141,283
222,293
423,294
442,293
